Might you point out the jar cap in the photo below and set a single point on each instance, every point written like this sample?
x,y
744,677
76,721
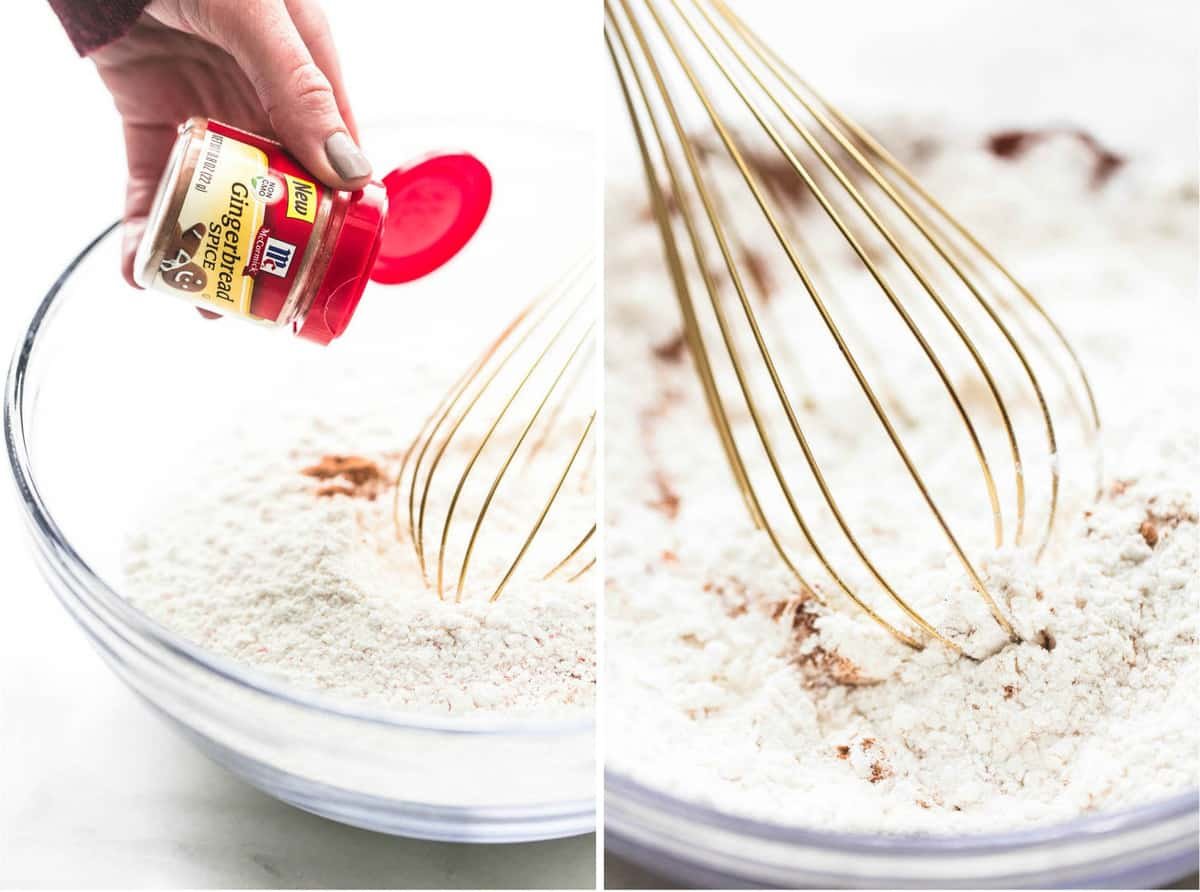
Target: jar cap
x,y
398,231
435,205
351,258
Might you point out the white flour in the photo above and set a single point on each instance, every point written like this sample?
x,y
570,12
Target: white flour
x,y
251,561
722,690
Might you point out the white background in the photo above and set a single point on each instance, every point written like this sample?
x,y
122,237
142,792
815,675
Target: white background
x,y
1124,69
94,790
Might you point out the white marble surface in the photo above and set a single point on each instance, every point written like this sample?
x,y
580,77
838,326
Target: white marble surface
x,y
100,793
1124,69
95,791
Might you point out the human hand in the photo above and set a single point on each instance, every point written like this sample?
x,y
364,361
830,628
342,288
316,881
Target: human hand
x,y
268,66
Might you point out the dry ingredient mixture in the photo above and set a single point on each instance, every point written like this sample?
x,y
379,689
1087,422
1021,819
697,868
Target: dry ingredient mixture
x,y
728,688
283,556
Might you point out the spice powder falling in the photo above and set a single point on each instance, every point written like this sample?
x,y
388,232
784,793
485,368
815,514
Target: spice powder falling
x,y
727,687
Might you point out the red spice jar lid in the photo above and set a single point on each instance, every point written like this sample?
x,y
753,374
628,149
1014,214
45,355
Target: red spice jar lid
x,y
351,258
434,207
398,231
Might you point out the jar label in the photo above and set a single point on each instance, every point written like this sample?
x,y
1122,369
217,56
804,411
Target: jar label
x,y
245,226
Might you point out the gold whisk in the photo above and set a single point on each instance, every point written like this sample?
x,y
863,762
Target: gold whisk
x,y
718,119
510,436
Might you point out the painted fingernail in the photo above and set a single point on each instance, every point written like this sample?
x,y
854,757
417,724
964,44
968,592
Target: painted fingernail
x,y
346,159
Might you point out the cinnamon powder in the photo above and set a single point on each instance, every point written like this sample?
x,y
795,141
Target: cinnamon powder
x,y
347,475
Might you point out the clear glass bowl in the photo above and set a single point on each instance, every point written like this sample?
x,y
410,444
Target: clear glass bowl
x,y
107,385
1138,848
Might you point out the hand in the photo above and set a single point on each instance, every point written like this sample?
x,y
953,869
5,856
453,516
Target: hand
x,y
268,66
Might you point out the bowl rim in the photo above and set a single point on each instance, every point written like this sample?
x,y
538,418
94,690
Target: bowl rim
x,y
1101,825
70,566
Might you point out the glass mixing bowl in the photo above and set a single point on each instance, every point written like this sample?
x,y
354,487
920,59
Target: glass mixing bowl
x,y
106,388
1137,848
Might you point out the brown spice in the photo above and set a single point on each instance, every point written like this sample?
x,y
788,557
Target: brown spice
x,y
1008,144
770,167
1009,691
879,771
759,272
667,500
823,667
1171,519
733,594
669,203
922,149
778,176
1012,144
350,475
671,350
843,752
1119,487
1149,532
336,489
803,622
778,609
1045,640
733,611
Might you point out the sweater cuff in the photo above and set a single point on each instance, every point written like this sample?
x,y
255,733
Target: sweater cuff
x,y
92,24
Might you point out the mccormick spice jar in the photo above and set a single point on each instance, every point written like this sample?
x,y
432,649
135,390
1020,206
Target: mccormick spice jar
x,y
239,228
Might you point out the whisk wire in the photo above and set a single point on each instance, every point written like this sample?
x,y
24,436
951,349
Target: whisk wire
x,y
695,338
691,328
544,308
542,518
584,339
648,97
537,346
955,259
571,554
892,240
868,391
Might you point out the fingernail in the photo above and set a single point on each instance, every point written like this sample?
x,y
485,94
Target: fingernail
x,y
345,157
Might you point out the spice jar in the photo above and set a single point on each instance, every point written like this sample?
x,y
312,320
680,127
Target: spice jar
x,y
240,228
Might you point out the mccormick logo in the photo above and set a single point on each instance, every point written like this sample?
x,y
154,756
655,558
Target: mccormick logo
x,y
277,257
254,261
269,255
302,199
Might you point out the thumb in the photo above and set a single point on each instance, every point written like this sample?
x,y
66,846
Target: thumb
x,y
295,93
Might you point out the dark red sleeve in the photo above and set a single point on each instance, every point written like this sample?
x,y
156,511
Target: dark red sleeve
x,y
92,23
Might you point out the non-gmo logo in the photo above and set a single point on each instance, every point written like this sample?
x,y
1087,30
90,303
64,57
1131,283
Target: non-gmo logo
x,y
277,257
266,188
